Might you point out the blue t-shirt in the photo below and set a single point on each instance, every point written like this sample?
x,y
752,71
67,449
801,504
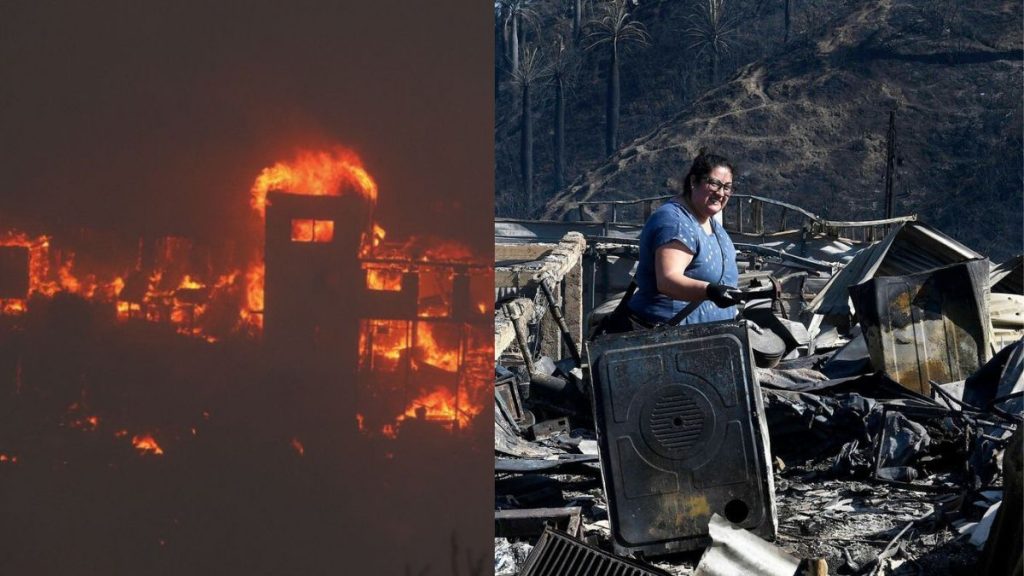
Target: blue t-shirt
x,y
711,253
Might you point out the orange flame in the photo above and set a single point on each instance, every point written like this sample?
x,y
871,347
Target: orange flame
x,y
38,249
384,279
89,423
187,283
146,444
310,173
297,445
433,352
441,404
252,313
316,174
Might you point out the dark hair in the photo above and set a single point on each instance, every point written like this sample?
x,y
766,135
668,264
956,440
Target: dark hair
x,y
702,165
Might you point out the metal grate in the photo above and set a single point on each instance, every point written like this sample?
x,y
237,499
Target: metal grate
x,y
676,421
557,554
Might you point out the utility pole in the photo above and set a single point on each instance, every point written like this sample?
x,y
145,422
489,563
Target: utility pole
x,y
890,168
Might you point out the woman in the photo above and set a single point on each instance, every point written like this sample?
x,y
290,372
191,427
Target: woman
x,y
687,260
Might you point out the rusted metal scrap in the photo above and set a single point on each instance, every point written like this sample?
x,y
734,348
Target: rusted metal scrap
x,y
927,326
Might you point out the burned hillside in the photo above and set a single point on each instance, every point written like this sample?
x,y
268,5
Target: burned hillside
x,y
805,119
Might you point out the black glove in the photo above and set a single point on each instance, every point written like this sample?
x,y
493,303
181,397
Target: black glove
x,y
723,296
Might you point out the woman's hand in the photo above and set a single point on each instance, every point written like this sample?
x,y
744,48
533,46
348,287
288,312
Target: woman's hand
x,y
723,296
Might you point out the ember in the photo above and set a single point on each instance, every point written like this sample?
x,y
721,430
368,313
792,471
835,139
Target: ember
x,y
146,444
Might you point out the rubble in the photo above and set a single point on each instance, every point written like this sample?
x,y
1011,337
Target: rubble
x,y
888,415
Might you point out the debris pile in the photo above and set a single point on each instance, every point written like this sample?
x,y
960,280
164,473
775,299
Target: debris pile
x,y
886,374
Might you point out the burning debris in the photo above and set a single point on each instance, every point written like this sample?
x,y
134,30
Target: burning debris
x,y
885,380
186,382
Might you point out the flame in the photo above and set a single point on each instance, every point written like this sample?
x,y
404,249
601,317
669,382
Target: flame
x,y
389,338
38,250
146,444
113,289
384,279
297,445
89,423
12,306
372,240
440,404
434,353
252,313
311,173
187,283
302,230
316,174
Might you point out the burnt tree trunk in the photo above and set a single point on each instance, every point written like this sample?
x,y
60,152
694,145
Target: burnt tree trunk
x,y
577,18
612,108
526,151
788,12
514,48
559,133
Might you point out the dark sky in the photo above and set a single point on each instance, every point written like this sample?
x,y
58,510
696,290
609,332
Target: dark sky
x,y
158,115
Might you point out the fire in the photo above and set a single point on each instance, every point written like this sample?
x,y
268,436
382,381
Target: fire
x,y
316,174
146,444
297,445
434,353
89,423
252,312
12,306
384,279
187,283
38,250
439,249
442,404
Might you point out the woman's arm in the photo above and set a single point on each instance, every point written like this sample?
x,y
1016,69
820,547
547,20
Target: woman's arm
x,y
670,261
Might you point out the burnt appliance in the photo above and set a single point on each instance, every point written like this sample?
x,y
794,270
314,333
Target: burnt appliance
x,y
682,435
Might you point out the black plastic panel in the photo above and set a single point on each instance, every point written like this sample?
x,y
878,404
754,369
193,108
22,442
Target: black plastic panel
x,y
682,436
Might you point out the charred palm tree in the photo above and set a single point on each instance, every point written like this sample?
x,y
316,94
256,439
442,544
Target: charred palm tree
x,y
517,14
710,31
616,30
526,76
563,69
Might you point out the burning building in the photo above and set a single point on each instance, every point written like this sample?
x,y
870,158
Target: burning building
x,y
379,333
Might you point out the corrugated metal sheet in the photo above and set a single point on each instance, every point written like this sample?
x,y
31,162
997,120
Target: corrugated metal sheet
x,y
908,249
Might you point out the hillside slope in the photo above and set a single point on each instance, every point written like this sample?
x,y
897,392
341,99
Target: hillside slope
x,y
808,124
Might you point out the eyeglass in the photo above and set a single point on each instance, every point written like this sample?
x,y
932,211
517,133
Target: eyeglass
x,y
718,186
